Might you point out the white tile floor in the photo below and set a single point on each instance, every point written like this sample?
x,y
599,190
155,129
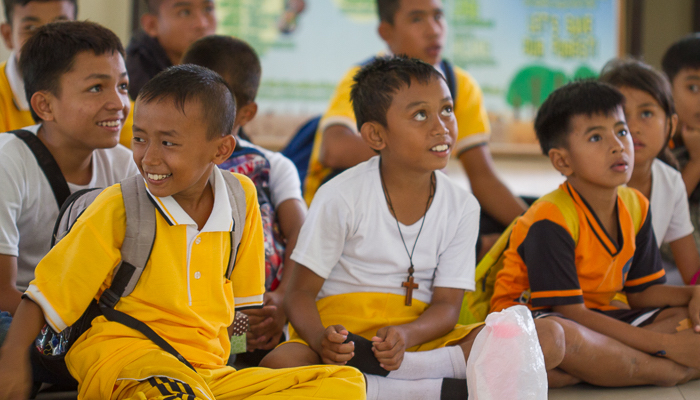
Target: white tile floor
x,y
534,176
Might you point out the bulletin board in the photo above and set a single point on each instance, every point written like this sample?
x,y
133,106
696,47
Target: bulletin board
x,y
518,51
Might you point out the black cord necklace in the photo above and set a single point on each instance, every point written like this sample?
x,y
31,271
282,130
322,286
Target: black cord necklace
x,y
409,284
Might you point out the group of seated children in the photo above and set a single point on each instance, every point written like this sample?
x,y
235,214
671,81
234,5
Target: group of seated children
x,y
374,277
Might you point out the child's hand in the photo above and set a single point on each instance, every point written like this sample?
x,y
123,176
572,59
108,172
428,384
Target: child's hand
x,y
691,140
333,350
266,324
389,347
15,377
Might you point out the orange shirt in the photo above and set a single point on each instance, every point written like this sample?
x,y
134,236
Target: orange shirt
x,y
544,266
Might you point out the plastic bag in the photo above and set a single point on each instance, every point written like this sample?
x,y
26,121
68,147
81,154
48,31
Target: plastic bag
x,y
506,361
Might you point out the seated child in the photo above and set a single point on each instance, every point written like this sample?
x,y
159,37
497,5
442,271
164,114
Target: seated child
x,y
651,118
279,193
182,129
571,272
387,249
22,18
77,86
681,64
169,27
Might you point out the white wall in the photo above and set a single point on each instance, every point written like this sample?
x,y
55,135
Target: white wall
x,y
114,14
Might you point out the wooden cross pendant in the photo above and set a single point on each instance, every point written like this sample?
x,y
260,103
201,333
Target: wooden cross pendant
x,y
409,285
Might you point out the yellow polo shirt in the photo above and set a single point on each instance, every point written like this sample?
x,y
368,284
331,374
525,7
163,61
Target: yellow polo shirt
x,y
182,295
11,116
472,122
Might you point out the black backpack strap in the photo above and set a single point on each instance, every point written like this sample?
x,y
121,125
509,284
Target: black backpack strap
x,y
47,163
450,78
127,320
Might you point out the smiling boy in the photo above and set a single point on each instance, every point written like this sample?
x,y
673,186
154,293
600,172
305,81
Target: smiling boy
x,y
387,249
78,92
182,129
416,28
577,247
22,18
169,28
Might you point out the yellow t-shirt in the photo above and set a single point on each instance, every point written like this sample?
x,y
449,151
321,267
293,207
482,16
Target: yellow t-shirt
x,y
11,117
472,122
185,298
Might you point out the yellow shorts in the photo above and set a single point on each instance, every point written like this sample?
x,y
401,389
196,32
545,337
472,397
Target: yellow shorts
x,y
159,375
364,313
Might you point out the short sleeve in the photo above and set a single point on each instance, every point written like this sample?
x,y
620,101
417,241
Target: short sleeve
x,y
548,251
248,276
680,225
340,111
11,198
472,119
646,268
323,235
457,263
63,287
284,180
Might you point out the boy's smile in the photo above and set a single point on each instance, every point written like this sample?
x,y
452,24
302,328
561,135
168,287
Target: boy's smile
x,y
171,148
418,30
647,123
421,126
599,152
92,102
26,19
686,95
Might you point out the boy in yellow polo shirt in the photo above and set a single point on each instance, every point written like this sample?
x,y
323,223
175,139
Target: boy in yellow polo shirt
x,y
22,17
182,130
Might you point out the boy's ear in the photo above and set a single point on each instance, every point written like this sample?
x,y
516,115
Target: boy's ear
x,y
149,23
246,113
41,104
560,160
674,126
372,134
225,148
6,31
386,31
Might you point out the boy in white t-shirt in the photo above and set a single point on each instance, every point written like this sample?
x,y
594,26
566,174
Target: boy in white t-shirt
x,y
279,190
387,249
78,90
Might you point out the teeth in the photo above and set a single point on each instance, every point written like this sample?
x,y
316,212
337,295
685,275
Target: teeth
x,y
440,147
110,124
157,177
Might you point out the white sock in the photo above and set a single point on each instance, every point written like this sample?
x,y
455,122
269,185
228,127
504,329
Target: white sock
x,y
380,388
446,362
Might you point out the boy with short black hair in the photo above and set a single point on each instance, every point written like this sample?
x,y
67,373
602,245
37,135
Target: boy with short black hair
x,y
417,28
279,193
571,253
22,18
182,129
76,82
169,28
387,249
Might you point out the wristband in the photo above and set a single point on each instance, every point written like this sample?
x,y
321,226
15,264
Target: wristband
x,y
695,277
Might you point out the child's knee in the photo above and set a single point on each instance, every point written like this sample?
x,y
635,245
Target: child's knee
x,y
552,341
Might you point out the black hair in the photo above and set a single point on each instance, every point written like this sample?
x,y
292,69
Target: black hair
x,y
153,6
377,82
584,97
187,82
50,52
233,59
684,53
387,10
635,74
10,7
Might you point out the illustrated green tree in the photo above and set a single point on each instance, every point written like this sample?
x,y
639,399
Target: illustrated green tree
x,y
585,72
532,85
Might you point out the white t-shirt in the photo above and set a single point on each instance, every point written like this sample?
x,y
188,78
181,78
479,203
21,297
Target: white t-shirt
x,y
670,216
284,178
28,208
351,240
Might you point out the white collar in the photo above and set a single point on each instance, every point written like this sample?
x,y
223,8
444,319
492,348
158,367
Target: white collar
x,y
220,219
16,82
